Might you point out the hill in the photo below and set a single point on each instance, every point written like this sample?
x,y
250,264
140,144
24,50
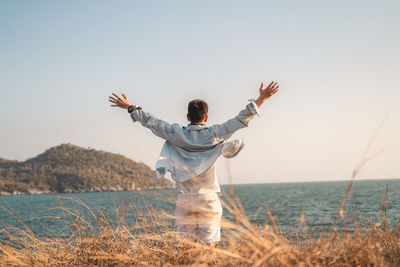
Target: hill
x,y
69,168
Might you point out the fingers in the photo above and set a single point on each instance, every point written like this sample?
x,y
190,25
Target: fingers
x,y
275,90
118,101
117,96
112,98
270,90
116,104
272,85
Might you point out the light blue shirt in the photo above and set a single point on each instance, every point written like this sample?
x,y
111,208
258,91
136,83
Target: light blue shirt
x,y
191,150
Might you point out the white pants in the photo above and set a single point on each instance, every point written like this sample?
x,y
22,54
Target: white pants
x,y
198,217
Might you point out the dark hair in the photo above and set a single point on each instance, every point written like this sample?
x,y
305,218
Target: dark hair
x,y
197,110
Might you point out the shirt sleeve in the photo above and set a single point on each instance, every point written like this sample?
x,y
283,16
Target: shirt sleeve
x,y
227,129
159,127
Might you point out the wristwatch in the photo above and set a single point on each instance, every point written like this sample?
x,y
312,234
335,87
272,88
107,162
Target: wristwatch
x,y
131,108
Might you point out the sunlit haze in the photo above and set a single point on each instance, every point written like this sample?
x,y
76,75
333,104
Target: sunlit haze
x,y
337,62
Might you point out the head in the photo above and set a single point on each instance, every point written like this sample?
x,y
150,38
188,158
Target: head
x,y
197,111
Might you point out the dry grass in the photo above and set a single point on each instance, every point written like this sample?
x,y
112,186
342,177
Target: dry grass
x,y
152,242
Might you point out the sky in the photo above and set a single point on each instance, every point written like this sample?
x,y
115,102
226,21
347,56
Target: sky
x,y
337,62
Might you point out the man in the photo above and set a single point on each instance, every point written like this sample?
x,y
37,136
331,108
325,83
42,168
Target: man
x,y
189,154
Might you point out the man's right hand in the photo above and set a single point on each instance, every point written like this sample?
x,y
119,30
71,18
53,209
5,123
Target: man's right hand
x,y
121,102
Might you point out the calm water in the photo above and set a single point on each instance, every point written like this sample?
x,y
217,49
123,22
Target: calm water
x,y
320,201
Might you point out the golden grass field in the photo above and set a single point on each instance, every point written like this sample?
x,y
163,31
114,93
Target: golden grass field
x,y
152,242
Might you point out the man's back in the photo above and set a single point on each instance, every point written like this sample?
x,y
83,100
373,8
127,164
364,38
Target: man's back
x,y
191,150
205,183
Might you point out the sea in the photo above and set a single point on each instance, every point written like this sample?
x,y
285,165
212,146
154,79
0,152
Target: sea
x,y
291,205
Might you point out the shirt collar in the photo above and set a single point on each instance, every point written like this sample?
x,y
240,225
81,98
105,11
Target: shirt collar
x,y
196,126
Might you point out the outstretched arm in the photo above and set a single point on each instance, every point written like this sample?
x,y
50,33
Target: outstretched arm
x,y
159,127
228,128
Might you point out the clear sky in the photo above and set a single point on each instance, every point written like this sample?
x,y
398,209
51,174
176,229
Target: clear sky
x,y
338,63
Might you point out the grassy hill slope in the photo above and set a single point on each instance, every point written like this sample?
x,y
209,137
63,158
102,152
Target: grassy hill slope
x,y
70,168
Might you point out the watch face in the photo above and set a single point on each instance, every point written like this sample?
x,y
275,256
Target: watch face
x,y
130,109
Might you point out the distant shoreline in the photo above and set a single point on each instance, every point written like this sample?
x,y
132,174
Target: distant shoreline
x,y
39,192
319,181
119,189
